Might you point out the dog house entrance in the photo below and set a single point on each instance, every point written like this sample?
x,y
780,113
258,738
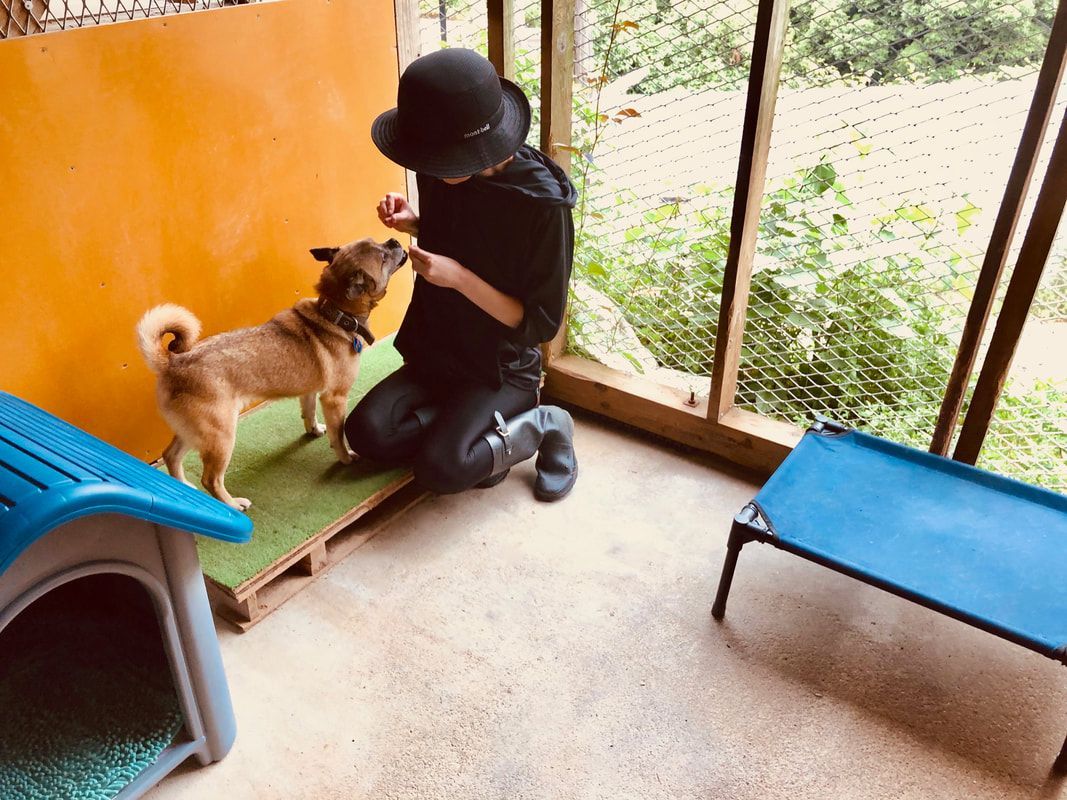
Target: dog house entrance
x,y
86,688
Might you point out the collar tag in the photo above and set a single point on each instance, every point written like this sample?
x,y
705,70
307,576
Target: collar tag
x,y
357,344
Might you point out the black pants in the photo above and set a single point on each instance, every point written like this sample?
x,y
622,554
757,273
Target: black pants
x,y
410,420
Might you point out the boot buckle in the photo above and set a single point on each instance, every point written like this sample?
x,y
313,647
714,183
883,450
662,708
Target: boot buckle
x,y
502,430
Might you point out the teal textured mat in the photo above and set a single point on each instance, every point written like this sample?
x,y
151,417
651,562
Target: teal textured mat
x,y
85,692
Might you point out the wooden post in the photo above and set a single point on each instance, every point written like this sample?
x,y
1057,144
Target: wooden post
x,y
501,14
768,45
557,87
408,48
316,560
1011,208
1048,210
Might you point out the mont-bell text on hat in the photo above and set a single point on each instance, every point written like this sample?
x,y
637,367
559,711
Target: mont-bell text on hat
x,y
477,132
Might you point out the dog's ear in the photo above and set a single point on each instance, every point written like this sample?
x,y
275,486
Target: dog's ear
x,y
324,253
356,285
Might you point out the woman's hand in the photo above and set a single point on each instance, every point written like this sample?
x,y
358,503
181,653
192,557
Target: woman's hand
x,y
396,212
437,269
449,273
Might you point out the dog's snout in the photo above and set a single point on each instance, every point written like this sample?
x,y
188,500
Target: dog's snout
x,y
395,245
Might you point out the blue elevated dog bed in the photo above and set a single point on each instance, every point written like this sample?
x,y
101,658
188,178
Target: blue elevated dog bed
x,y
982,548
72,507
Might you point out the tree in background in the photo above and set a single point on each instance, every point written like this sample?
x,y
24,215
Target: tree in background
x,y
699,44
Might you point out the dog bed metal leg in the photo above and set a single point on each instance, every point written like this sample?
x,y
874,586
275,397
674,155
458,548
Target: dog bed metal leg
x,y
733,550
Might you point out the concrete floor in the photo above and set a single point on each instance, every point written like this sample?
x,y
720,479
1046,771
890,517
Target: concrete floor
x,y
488,646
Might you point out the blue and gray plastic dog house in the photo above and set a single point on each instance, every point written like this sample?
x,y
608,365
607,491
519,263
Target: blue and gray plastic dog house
x,y
72,506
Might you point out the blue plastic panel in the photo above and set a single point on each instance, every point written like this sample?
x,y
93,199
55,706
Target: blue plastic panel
x,y
989,549
52,472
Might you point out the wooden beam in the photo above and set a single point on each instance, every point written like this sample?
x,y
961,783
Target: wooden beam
x,y
1011,209
553,349
740,437
768,45
316,559
557,81
557,89
501,15
408,48
1048,211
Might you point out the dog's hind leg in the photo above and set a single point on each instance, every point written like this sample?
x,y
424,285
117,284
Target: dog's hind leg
x,y
307,411
333,408
216,458
174,457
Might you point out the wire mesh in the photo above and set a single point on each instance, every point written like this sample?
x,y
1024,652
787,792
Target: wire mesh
x,y
895,130
645,293
28,17
894,136
659,102
453,23
1027,437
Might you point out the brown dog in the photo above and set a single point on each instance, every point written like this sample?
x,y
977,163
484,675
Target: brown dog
x,y
307,350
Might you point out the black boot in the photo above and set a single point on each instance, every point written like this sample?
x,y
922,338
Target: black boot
x,y
426,416
492,480
547,431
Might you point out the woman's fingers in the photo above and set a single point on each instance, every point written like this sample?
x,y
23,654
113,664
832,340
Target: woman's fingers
x,y
421,260
393,208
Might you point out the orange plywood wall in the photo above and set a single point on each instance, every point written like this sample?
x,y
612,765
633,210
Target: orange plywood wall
x,y
191,159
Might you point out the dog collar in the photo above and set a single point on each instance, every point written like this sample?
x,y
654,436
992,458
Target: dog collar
x,y
346,322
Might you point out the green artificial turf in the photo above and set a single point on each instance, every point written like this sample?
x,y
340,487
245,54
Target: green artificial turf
x,y
296,485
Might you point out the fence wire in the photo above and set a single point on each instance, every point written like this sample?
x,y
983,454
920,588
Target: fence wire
x,y
659,101
886,184
885,176
1027,438
453,23
28,17
895,130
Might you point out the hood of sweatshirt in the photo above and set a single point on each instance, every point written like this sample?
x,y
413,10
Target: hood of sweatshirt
x,y
535,175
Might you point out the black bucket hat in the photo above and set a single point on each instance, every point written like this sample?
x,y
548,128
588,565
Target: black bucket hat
x,y
454,117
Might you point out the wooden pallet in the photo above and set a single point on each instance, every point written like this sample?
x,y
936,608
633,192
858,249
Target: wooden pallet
x,y
263,593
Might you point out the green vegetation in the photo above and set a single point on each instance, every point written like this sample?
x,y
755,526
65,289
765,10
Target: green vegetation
x,y
698,45
841,321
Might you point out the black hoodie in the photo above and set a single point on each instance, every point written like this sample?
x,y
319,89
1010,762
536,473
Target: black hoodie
x,y
514,230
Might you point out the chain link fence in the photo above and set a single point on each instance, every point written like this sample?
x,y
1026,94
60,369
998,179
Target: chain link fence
x,y
895,130
893,141
1027,437
453,23
888,164
27,17
659,104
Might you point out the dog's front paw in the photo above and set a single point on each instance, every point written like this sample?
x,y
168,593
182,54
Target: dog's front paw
x,y
240,503
346,456
316,430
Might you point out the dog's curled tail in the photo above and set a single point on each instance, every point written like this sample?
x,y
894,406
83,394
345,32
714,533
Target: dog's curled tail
x,y
159,321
